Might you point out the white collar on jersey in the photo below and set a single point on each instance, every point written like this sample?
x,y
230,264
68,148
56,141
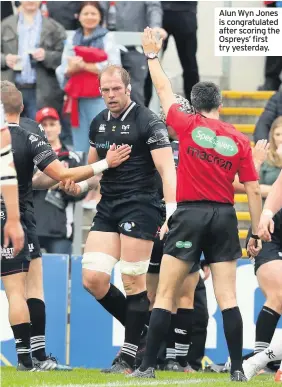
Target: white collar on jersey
x,y
130,107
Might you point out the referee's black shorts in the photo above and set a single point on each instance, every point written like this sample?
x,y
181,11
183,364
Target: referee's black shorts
x,y
157,254
11,264
203,227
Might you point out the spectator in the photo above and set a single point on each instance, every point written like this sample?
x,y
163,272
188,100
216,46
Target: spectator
x,y
32,47
6,9
272,110
135,16
65,13
180,21
91,35
53,208
271,168
273,64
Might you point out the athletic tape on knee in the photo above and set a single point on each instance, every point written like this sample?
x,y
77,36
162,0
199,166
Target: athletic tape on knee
x,y
8,173
134,268
99,262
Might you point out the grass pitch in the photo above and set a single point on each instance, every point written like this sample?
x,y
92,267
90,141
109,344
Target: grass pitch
x,y
93,378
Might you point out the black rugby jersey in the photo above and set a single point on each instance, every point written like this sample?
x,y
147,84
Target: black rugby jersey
x,y
140,128
29,150
33,127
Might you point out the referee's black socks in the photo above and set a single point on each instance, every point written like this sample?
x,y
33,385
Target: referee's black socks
x,y
265,328
38,323
115,303
233,329
136,317
158,329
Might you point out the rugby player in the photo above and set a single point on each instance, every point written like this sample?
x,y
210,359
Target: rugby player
x,y
211,152
9,190
129,212
29,150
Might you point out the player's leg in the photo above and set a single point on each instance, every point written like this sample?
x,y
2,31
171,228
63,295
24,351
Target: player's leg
x,y
102,252
183,243
135,255
13,273
36,303
199,328
257,362
222,249
268,268
185,317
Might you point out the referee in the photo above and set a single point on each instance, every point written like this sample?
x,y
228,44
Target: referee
x,y
211,152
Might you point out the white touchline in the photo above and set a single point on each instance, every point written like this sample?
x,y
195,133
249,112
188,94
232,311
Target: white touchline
x,y
136,382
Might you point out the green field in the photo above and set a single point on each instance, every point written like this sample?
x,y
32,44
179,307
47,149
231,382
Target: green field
x,y
92,378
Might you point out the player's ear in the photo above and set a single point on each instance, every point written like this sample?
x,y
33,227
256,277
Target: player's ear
x,y
128,89
22,108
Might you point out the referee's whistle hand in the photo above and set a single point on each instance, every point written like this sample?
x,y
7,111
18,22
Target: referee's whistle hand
x,y
117,155
265,228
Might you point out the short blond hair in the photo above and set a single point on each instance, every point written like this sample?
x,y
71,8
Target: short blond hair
x,y
111,69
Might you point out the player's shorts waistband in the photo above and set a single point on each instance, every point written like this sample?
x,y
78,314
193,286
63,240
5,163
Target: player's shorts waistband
x,y
196,203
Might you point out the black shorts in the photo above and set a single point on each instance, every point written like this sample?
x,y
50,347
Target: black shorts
x,y
271,251
33,241
156,257
203,227
138,216
10,264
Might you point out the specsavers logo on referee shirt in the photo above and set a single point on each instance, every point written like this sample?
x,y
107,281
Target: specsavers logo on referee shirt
x,y
207,138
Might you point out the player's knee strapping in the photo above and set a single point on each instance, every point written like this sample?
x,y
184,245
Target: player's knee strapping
x,y
7,171
134,268
97,261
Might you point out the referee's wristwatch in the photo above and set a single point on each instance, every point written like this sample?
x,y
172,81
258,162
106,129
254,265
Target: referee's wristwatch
x,y
151,55
254,236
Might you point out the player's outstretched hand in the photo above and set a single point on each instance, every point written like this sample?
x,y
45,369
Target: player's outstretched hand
x,y
13,232
266,227
116,156
70,188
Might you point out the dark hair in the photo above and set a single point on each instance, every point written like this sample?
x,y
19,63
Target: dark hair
x,y
95,4
206,96
111,69
11,98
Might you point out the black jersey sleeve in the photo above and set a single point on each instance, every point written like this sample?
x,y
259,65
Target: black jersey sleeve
x,y
41,152
156,134
33,127
92,132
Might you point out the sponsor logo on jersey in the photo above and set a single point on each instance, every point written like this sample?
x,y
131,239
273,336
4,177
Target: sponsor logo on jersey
x,y
2,214
32,138
125,129
31,247
183,244
106,145
7,252
113,128
180,331
102,128
207,138
203,155
41,143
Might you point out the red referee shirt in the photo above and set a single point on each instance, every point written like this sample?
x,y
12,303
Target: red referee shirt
x,y
211,153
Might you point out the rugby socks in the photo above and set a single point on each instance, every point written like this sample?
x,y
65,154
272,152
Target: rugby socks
x,y
233,329
265,328
38,323
136,317
170,342
272,353
115,303
158,329
183,331
22,340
